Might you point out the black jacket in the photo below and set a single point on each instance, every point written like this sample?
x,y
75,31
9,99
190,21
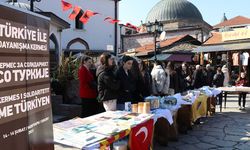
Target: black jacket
x,y
210,77
218,80
108,85
145,85
127,90
198,81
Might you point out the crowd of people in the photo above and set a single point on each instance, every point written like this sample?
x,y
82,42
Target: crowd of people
x,y
109,85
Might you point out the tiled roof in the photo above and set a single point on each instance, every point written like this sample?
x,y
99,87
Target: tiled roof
x,y
239,20
164,43
216,38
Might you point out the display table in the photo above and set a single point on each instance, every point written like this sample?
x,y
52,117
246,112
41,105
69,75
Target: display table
x,y
98,131
233,90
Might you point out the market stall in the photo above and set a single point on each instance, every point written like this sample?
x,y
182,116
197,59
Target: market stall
x,y
158,117
99,131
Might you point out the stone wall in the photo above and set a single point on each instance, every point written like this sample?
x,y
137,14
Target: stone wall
x,y
173,29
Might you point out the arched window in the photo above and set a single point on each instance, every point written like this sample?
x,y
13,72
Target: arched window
x,y
78,23
78,40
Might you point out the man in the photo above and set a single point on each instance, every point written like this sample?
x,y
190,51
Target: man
x,y
197,78
210,75
160,80
127,84
218,82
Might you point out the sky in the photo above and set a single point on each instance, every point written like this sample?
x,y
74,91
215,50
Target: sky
x,y
134,11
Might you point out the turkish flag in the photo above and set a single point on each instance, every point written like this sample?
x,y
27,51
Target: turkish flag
x,y
75,12
141,136
66,5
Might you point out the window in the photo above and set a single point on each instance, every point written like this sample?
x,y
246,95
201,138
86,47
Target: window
x,y
78,23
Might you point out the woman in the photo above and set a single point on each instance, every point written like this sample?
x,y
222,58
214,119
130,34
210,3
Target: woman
x,y
242,81
174,81
108,85
87,88
145,86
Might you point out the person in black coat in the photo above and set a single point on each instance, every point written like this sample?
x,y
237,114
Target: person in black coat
x,y
108,85
185,78
127,90
210,75
218,82
145,85
197,78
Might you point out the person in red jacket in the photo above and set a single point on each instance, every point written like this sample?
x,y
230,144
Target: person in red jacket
x,y
242,81
87,88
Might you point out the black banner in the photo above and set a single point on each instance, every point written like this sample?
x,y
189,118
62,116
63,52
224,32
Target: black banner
x,y
25,106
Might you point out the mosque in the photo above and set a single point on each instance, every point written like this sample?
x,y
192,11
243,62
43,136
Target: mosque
x,y
179,17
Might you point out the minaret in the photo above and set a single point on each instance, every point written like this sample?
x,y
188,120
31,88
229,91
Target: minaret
x,y
224,18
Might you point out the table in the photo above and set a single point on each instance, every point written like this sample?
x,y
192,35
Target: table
x,y
233,89
98,131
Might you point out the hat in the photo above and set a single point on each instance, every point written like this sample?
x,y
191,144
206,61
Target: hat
x,y
126,58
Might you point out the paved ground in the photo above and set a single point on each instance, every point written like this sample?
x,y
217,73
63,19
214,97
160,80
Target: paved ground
x,y
229,130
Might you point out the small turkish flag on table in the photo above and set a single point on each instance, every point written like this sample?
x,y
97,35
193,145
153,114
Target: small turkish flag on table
x,y
141,136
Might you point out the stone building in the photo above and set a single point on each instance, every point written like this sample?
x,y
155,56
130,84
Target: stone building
x,y
179,17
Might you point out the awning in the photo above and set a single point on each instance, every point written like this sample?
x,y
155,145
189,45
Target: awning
x,y
161,57
224,47
180,57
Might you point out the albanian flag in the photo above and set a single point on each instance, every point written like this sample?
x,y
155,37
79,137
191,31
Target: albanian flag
x,y
75,12
90,13
129,25
113,21
86,16
108,18
66,5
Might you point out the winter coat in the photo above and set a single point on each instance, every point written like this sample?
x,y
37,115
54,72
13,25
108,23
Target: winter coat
x,y
107,84
218,79
210,77
160,80
242,82
197,79
145,85
127,90
86,80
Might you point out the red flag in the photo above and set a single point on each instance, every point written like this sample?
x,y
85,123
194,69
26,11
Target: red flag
x,y
75,12
128,24
114,21
86,16
84,19
138,29
131,26
108,18
90,13
66,5
141,136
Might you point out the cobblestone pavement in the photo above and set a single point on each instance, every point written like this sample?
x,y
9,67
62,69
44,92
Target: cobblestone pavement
x,y
229,130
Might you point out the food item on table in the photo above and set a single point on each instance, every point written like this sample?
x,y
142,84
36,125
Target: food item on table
x,y
154,102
